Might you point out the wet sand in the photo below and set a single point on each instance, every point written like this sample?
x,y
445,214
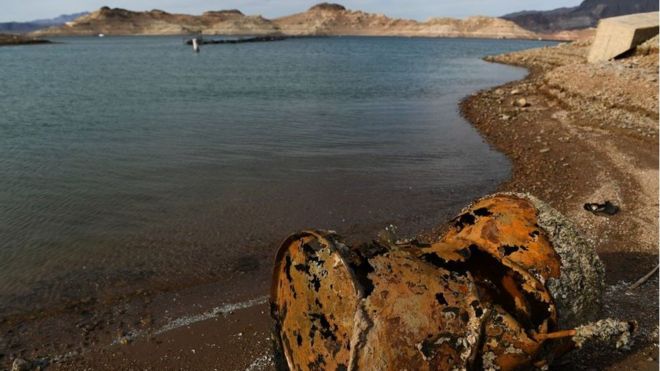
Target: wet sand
x,y
584,134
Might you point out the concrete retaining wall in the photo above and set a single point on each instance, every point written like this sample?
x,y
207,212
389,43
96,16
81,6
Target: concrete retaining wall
x,y
617,35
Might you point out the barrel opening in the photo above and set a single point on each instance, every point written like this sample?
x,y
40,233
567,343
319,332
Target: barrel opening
x,y
497,284
362,272
464,220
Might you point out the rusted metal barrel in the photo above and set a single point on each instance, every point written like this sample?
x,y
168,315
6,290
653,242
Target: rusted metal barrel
x,y
315,295
480,297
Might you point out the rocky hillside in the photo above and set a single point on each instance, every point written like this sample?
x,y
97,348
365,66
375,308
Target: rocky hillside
x,y
320,20
16,27
334,19
157,22
475,27
585,15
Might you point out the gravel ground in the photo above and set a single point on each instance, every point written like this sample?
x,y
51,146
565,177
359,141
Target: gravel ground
x,y
579,133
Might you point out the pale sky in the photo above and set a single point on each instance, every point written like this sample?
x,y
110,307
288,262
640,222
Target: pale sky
x,y
25,10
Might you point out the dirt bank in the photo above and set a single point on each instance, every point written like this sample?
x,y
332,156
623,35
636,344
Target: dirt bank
x,y
579,133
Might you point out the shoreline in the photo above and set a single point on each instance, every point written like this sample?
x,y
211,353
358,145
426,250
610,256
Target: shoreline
x,y
568,152
548,38
93,325
14,40
238,339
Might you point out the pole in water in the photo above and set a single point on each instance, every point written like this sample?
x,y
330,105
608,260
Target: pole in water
x,y
195,45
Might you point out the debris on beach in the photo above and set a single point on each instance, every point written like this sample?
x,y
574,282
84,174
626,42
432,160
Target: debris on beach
x,y
522,102
20,364
512,284
604,208
643,279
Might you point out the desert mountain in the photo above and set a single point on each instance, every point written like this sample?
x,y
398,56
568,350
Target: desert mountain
x,y
585,15
334,19
16,27
157,22
319,20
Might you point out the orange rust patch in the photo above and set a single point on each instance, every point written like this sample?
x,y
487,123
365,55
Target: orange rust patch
x,y
506,227
315,301
476,298
427,321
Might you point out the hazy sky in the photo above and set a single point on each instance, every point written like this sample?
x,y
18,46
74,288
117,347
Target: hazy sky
x,y
23,10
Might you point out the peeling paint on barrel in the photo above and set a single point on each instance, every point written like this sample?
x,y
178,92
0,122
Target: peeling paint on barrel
x,y
477,298
316,300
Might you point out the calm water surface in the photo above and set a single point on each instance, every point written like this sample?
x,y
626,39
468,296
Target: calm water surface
x,y
132,162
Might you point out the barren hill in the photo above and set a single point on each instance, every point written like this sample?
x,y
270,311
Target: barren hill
x,y
476,27
37,24
320,20
583,16
157,22
334,19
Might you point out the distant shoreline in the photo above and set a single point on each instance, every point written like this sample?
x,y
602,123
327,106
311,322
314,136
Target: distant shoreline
x,y
11,40
458,37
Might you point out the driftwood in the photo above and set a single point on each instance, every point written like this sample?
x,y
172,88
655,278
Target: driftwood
x,y
645,278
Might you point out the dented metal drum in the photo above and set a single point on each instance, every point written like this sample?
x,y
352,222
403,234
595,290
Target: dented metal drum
x,y
477,298
338,309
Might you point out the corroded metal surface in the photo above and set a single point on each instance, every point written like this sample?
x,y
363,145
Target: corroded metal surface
x,y
506,227
421,317
315,298
475,299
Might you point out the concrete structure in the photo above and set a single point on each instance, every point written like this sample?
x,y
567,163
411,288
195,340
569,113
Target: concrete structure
x,y
617,35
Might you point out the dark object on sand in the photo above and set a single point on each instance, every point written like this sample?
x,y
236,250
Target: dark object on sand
x,y
240,41
606,208
509,286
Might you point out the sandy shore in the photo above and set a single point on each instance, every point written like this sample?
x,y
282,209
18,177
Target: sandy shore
x,y
579,133
584,133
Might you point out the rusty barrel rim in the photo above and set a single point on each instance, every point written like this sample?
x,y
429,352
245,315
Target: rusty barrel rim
x,y
314,296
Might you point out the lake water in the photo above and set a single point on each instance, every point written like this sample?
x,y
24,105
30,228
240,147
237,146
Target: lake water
x,y
132,162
